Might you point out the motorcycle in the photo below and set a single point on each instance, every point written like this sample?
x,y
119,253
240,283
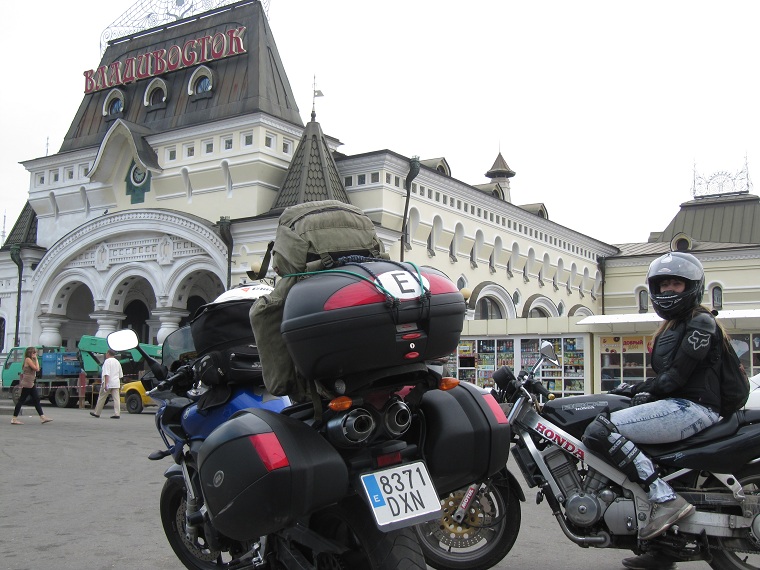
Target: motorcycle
x,y
596,505
339,481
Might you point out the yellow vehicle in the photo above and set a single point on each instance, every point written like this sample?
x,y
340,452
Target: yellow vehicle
x,y
134,395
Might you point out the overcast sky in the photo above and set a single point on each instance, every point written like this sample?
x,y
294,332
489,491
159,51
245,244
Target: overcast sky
x,y
602,108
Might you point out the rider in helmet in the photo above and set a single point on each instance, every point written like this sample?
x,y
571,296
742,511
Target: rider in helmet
x,y
682,398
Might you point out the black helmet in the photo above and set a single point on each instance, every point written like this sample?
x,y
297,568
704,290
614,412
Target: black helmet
x,y
685,266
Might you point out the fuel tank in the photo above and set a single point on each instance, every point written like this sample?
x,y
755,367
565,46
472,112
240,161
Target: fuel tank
x,y
574,413
199,424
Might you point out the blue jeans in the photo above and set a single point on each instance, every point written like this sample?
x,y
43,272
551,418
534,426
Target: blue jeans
x,y
663,421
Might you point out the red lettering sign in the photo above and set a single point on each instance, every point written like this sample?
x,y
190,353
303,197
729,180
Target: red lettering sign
x,y
149,64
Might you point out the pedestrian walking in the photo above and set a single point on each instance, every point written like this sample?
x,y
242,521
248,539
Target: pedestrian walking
x,y
28,389
111,376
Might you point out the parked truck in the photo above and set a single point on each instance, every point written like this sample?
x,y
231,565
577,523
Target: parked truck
x,y
65,375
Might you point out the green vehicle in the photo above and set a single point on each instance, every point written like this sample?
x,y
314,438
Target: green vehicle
x,y
66,376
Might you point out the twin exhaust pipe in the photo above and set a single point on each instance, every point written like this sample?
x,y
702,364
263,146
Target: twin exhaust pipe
x,y
360,424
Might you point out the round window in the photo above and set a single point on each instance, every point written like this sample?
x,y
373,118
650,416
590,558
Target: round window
x,y
115,106
203,85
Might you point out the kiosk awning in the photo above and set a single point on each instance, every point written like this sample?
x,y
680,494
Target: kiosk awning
x,y
739,319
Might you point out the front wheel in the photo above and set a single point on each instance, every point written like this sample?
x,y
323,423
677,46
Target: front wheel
x,y
352,525
195,554
482,539
739,553
134,403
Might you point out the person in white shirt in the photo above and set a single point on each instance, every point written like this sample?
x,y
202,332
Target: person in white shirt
x,y
111,382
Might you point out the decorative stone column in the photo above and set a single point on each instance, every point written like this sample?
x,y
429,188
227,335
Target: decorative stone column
x,y
51,329
169,318
108,322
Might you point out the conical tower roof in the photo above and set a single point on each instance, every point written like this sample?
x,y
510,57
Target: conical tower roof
x,y
500,169
313,174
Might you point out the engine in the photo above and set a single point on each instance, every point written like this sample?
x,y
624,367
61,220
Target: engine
x,y
587,500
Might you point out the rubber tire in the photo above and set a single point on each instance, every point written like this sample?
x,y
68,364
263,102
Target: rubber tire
x,y
721,559
173,499
492,552
351,523
63,397
133,402
15,393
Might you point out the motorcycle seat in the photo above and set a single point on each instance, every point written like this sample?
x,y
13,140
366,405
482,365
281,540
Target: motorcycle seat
x,y
724,428
748,416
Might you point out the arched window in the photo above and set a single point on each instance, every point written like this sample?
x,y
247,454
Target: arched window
x,y
538,313
643,301
114,105
203,85
487,309
717,297
156,94
201,82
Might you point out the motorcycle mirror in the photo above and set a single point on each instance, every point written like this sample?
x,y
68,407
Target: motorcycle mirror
x,y
126,339
547,351
123,340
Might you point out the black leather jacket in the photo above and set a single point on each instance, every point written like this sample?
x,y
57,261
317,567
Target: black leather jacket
x,y
686,359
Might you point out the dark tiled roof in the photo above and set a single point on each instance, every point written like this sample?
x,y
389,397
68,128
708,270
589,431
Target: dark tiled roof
x,y
254,81
720,219
312,174
24,231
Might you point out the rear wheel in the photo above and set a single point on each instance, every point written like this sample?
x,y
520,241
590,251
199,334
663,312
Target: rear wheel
x,y
351,524
63,398
482,539
739,553
134,403
16,393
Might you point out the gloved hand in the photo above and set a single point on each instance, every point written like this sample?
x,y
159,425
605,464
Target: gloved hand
x,y
624,390
641,398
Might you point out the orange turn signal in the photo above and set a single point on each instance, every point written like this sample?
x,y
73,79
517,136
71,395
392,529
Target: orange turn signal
x,y
340,404
447,383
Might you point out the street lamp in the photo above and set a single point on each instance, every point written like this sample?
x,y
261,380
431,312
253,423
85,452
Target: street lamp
x,y
414,170
16,257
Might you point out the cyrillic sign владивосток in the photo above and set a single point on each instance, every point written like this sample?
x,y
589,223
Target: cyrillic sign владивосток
x,y
158,62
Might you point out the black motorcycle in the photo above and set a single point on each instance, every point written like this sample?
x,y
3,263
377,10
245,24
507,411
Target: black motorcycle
x,y
340,480
596,505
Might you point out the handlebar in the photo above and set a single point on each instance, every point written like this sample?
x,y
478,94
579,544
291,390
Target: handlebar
x,y
540,389
183,373
507,383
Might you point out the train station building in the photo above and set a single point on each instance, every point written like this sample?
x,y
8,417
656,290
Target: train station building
x,y
189,142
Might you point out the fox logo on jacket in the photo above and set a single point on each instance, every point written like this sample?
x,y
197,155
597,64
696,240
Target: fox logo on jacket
x,y
698,340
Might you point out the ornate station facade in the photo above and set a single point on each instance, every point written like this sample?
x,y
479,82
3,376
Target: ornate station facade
x,y
187,145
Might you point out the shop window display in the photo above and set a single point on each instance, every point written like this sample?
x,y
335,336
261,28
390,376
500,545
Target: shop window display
x,y
478,359
625,359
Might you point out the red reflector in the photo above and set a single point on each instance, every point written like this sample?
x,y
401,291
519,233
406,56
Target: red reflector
x,y
412,355
495,408
411,336
388,459
270,451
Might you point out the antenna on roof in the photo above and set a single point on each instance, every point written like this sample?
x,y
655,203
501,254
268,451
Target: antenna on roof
x,y
315,93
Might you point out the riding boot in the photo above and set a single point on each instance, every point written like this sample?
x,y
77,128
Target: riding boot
x,y
650,561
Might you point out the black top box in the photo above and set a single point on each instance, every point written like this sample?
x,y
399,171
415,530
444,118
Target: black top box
x,y
370,317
